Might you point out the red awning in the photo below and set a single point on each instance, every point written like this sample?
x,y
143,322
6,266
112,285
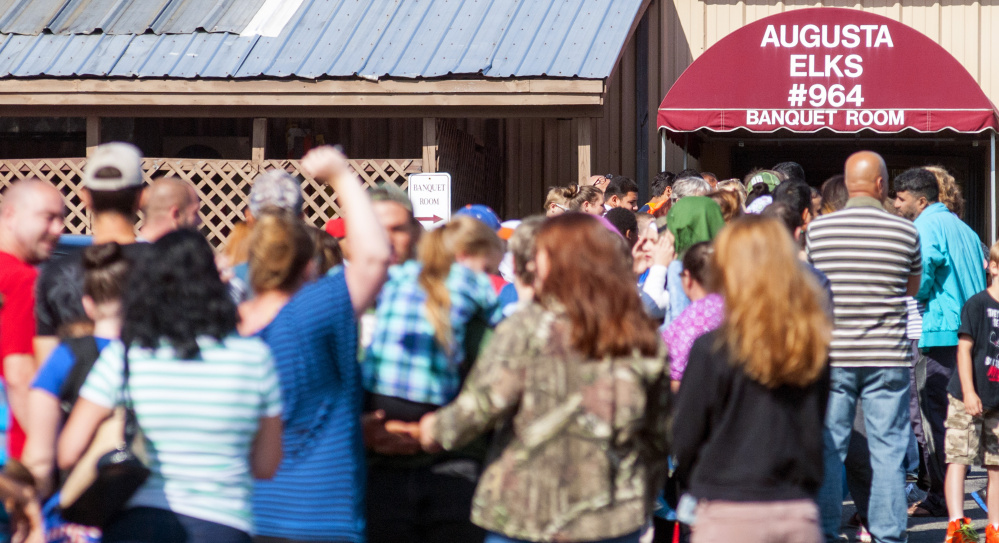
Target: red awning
x,y
833,69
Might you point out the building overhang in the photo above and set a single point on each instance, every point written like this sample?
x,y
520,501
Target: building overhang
x,y
462,98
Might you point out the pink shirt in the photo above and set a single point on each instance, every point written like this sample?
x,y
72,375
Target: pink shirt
x,y
697,319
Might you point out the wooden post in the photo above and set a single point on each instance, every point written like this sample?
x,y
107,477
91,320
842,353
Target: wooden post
x,y
93,134
584,127
429,145
259,142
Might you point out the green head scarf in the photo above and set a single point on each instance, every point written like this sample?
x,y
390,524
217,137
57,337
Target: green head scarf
x,y
694,219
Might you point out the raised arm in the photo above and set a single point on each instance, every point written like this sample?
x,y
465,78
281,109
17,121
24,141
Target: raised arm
x,y
370,253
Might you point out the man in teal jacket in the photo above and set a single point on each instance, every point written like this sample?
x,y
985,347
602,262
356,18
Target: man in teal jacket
x,y
953,271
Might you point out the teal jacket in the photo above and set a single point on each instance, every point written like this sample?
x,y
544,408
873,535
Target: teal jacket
x,y
953,271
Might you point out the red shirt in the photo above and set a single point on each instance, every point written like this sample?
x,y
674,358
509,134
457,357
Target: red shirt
x,y
17,325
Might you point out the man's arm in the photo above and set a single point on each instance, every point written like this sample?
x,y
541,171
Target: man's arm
x,y
369,257
44,345
18,370
913,286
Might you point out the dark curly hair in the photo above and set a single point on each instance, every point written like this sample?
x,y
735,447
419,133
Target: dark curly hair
x,y
175,294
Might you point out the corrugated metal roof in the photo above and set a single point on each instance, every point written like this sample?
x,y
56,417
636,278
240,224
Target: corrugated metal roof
x,y
324,38
33,17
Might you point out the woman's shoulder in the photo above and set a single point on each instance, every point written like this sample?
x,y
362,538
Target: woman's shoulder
x,y
234,347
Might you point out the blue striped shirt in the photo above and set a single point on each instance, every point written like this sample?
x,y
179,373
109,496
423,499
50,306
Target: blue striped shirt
x,y
318,492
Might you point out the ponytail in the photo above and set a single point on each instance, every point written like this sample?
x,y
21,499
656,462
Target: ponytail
x,y
437,257
438,250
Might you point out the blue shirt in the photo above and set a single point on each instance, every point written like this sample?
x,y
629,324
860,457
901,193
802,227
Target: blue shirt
x,y
318,492
953,272
54,372
678,300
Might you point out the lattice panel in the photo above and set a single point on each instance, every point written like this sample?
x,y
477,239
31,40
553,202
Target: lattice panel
x,y
223,185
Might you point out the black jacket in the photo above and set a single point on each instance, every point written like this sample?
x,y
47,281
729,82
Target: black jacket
x,y
737,440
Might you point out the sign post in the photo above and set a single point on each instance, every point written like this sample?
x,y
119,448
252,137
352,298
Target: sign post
x,y
430,194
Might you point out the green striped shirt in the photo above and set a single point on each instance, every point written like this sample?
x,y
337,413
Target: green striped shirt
x,y
199,418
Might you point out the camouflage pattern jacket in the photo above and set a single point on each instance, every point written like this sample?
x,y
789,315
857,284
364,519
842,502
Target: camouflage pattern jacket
x,y
580,445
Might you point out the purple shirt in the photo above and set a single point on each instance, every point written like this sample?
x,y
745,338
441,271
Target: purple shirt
x,y
697,319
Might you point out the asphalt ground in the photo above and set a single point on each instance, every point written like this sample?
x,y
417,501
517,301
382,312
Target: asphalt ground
x,y
933,530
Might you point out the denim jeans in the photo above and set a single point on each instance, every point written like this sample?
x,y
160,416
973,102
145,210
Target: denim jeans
x,y
154,525
494,537
885,395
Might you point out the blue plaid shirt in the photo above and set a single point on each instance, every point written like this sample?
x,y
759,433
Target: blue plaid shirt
x,y
404,359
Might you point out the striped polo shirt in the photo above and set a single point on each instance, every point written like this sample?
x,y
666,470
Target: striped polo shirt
x,y
868,256
199,418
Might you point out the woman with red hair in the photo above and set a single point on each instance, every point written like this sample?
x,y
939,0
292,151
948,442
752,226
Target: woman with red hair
x,y
578,386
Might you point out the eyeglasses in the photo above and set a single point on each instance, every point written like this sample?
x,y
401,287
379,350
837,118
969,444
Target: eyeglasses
x,y
560,206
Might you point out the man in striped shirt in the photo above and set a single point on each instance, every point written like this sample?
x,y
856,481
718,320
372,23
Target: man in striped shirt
x,y
873,261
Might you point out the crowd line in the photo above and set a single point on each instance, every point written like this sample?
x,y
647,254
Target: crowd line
x,y
724,362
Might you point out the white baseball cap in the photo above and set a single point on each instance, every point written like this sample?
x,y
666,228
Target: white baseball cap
x,y
113,166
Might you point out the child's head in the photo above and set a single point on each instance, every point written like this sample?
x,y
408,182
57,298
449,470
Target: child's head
x,y
105,270
696,268
994,260
281,248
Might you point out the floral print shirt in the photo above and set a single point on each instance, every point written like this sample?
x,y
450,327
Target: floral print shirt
x,y
697,319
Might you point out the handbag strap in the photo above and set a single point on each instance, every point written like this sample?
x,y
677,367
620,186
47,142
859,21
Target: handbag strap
x,y
131,423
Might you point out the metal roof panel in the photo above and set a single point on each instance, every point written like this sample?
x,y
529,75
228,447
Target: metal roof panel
x,y
323,38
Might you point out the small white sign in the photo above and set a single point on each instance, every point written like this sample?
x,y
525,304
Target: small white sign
x,y
431,197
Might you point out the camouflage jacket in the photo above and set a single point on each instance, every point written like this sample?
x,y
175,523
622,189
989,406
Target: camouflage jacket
x,y
580,445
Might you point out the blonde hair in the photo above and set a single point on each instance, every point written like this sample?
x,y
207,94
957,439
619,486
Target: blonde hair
x,y
559,196
437,252
994,253
280,249
729,202
775,326
736,186
237,246
588,193
950,192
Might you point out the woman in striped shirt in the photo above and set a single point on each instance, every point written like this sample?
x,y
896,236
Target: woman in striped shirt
x,y
207,401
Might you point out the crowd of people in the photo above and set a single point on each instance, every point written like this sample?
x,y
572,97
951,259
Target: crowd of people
x,y
713,364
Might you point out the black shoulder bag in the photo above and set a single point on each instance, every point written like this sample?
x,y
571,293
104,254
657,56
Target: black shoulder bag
x,y
111,470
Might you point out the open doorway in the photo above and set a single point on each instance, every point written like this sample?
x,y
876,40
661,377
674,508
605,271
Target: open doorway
x,y
965,156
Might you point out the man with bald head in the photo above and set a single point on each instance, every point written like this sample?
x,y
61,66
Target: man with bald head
x,y
168,204
31,219
872,260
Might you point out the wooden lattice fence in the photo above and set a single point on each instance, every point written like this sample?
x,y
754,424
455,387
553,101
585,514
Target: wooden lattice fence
x,y
223,185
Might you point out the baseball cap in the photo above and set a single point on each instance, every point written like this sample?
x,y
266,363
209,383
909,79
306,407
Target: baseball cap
x,y
336,228
276,188
113,166
483,213
767,177
507,228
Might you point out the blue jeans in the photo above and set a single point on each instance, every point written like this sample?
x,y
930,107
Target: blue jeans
x,y
885,395
154,525
494,537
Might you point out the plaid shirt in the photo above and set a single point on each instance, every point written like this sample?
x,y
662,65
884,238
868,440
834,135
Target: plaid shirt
x,y
404,359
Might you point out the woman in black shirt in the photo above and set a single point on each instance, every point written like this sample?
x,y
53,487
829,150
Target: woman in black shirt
x,y
749,418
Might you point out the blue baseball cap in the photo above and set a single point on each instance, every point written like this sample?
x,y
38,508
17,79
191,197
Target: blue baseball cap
x,y
483,213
